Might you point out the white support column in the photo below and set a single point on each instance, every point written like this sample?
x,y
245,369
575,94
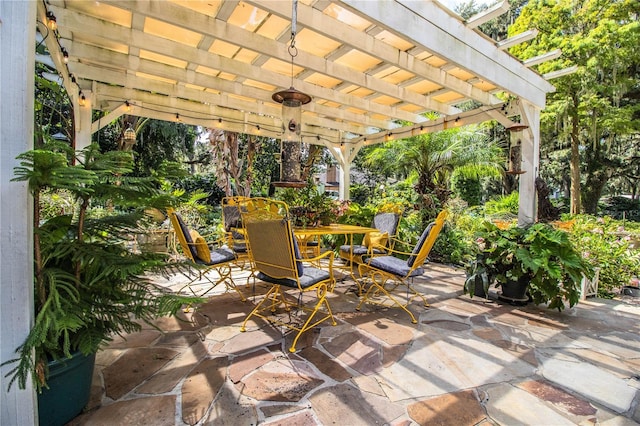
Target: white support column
x,y
17,43
344,155
82,114
345,181
528,210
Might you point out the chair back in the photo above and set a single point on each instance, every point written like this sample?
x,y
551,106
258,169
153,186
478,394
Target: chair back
x,y
427,240
386,222
232,222
231,217
270,238
184,236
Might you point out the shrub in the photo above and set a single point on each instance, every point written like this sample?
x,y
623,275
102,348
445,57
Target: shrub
x,y
606,243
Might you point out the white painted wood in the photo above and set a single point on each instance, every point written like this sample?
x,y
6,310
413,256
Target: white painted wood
x,y
234,35
517,39
428,25
528,210
537,60
17,35
327,26
489,14
82,115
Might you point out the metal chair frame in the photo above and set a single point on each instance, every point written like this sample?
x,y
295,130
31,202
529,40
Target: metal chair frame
x,y
221,265
277,261
382,282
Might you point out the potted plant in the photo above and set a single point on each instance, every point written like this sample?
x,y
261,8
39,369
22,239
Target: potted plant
x,y
89,285
308,207
538,258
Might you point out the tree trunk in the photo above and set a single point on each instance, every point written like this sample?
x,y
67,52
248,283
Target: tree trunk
x,y
574,164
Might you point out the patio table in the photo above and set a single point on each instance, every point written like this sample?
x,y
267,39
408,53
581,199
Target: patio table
x,y
305,234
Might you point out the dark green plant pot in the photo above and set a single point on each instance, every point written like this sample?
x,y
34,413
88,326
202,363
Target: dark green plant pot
x,y
515,292
69,388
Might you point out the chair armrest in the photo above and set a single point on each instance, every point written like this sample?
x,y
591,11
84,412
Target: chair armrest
x,y
329,254
391,251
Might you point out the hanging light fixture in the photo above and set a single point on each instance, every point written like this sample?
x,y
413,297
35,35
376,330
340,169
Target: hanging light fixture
x,y
292,99
130,135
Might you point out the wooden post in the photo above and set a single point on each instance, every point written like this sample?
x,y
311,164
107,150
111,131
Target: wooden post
x,y
17,68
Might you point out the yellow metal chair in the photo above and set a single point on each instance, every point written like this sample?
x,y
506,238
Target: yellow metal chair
x,y
374,243
203,258
388,274
232,222
277,260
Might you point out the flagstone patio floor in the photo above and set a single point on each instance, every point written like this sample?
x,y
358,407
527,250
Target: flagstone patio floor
x,y
468,361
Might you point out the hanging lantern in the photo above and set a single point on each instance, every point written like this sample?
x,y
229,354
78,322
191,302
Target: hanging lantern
x,y
128,138
130,135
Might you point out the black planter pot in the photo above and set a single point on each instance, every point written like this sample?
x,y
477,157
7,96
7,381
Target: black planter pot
x,y
515,292
69,388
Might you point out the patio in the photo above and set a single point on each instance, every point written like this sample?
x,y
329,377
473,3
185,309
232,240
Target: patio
x,y
466,362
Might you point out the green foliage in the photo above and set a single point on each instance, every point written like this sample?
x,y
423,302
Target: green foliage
x,y
469,189
539,253
203,184
503,206
593,111
607,244
308,207
89,285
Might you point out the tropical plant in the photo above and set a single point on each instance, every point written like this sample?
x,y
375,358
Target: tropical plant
x,y
435,156
88,284
539,253
308,207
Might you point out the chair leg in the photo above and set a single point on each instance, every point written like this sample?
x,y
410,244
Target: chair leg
x,y
321,293
378,286
273,292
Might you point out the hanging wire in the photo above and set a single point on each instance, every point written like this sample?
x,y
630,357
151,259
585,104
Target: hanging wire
x,y
292,49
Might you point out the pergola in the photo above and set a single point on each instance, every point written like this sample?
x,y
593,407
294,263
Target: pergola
x,y
368,65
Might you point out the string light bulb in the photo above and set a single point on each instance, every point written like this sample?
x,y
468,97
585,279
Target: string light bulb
x,y
177,117
52,22
65,55
127,105
82,100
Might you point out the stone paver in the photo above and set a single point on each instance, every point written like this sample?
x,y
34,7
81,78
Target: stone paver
x,y
591,382
343,404
201,387
133,368
466,362
280,380
230,409
509,405
148,411
459,408
441,363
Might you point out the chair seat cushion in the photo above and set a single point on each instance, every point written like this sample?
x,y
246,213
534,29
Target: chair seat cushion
x,y
219,255
310,277
393,265
239,247
359,250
